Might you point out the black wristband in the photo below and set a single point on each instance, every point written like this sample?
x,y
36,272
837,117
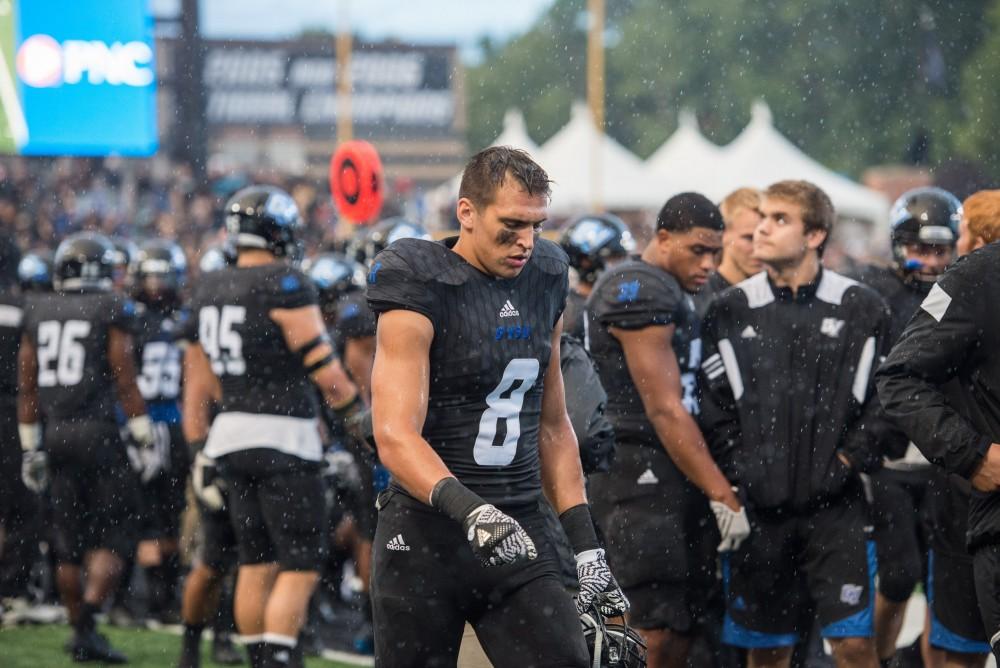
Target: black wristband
x,y
579,528
454,499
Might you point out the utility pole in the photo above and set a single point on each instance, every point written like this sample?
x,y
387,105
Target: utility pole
x,y
595,96
190,137
345,120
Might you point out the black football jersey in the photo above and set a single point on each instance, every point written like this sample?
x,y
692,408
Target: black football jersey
x,y
491,347
355,319
70,332
574,320
158,353
634,295
903,298
11,314
230,315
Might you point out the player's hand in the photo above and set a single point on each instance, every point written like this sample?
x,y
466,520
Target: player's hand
x,y
208,486
734,527
35,470
496,538
140,429
149,460
598,586
986,478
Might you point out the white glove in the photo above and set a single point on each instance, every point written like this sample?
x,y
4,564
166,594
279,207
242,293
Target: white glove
x,y
35,470
597,584
733,525
207,484
497,539
31,436
140,428
149,460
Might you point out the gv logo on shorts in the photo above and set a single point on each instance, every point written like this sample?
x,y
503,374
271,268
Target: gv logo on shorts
x,y
851,594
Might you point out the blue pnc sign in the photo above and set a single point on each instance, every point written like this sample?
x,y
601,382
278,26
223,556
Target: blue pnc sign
x,y
77,78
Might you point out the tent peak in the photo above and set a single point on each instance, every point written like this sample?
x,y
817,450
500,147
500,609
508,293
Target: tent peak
x,y
513,121
686,118
760,113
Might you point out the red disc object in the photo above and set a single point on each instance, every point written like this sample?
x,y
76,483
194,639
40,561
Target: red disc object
x,y
356,181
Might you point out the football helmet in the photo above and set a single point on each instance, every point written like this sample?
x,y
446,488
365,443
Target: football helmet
x,y
591,240
34,272
928,216
217,257
611,645
265,218
365,247
125,254
334,275
159,273
84,261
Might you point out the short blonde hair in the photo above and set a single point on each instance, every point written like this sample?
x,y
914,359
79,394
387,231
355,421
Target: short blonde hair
x,y
982,210
743,198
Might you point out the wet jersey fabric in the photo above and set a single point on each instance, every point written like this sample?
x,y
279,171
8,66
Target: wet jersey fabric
x,y
788,382
716,284
941,383
635,295
491,347
158,352
70,332
574,320
11,317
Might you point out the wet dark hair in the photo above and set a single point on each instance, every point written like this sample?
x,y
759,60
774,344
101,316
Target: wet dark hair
x,y
486,171
686,211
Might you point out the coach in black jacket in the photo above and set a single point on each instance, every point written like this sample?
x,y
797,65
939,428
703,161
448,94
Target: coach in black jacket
x,y
941,384
788,411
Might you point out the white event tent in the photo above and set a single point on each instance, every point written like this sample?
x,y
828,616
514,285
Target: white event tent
x,y
686,160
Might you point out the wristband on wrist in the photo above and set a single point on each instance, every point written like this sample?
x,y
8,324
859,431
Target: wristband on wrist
x,y
579,528
454,499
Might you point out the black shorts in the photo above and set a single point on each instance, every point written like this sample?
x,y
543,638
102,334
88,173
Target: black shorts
x,y
826,556
14,496
659,536
956,624
164,496
94,504
426,584
899,515
277,503
219,547
986,570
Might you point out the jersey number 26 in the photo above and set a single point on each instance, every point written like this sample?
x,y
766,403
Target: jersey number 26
x,y
60,343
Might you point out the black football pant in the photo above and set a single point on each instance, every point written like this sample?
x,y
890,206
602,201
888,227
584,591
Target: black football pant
x,y
426,584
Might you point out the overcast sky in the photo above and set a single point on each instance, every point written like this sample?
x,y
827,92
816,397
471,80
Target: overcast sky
x,y
424,21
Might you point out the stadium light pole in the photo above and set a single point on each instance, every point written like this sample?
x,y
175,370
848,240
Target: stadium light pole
x,y
190,137
595,96
345,120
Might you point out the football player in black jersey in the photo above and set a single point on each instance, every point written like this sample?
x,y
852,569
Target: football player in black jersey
x,y
910,497
159,271
260,332
741,212
77,345
644,336
593,243
470,419
788,408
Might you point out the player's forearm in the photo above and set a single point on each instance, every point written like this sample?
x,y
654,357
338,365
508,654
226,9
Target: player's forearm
x,y
562,473
411,461
684,443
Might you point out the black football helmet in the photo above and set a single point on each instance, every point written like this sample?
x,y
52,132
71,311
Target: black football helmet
x,y
265,218
84,261
125,253
159,273
365,247
928,216
334,275
612,645
34,272
591,240
217,257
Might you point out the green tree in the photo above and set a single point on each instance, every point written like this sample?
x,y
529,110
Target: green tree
x,y
979,136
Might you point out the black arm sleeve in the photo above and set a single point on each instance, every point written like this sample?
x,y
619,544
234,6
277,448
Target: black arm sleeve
x,y
941,339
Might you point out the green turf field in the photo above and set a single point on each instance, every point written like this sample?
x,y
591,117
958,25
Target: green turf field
x,y
42,647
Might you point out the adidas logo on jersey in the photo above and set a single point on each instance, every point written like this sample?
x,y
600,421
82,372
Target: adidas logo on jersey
x,y
397,544
749,333
647,478
508,311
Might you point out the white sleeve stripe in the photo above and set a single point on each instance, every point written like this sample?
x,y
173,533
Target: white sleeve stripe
x,y
861,376
936,302
10,316
712,375
732,367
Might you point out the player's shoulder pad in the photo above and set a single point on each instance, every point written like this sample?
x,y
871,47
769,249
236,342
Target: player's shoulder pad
x,y
635,294
837,289
403,275
549,257
288,287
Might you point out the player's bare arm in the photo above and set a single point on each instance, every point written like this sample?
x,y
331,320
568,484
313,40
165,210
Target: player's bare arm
x,y
27,383
201,390
656,374
400,386
562,474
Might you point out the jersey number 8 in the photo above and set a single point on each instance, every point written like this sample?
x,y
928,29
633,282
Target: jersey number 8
x,y
520,371
60,343
221,342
